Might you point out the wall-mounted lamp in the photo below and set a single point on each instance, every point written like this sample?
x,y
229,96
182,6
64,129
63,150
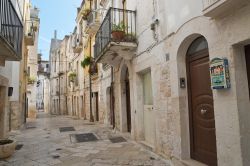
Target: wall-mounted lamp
x,y
153,25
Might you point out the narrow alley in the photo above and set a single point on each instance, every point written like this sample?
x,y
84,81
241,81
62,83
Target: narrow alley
x,y
49,140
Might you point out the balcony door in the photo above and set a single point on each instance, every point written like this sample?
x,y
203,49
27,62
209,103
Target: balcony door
x,y
247,53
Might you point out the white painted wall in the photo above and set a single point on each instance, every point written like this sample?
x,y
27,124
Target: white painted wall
x,y
11,71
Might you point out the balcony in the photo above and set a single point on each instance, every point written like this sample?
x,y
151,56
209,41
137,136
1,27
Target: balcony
x,y
93,22
30,33
116,37
11,32
78,46
218,8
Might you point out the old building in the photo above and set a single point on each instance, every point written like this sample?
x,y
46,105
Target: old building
x,y
75,73
58,76
168,92
14,32
10,51
42,99
31,38
176,79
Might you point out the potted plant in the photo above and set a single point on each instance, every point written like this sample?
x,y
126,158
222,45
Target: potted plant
x,y
85,14
72,76
31,80
7,148
130,37
86,62
118,31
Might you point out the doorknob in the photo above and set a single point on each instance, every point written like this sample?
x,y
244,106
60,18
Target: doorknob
x,y
203,111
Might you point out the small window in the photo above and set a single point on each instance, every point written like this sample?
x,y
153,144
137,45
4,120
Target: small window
x,y
198,44
147,89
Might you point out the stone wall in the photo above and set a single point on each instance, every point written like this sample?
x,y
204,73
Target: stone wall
x,y
16,115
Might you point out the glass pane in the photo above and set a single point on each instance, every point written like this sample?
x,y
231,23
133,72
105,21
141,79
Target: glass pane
x,y
198,45
147,89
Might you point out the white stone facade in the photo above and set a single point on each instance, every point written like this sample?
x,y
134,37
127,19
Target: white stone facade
x,y
162,52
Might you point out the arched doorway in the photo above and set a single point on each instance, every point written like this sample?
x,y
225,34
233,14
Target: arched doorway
x,y
201,109
128,106
125,100
247,56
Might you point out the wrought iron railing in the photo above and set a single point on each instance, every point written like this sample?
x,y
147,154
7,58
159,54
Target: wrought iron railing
x,y
116,20
30,29
208,3
11,28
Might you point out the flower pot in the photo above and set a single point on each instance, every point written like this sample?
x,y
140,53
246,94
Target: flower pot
x,y
7,148
118,35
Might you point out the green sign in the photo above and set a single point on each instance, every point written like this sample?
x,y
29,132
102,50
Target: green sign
x,y
219,71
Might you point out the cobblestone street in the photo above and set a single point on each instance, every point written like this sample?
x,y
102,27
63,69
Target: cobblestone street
x,y
44,144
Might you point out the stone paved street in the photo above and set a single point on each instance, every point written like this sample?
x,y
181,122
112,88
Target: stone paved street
x,y
43,144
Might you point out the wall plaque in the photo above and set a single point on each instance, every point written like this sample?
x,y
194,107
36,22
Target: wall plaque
x,y
219,72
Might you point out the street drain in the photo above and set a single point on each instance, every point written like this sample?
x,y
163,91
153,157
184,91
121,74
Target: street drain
x,y
86,137
58,149
19,146
55,156
30,127
66,129
117,139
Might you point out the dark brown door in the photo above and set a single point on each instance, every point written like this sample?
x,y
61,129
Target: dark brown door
x,y
247,50
202,122
128,106
97,106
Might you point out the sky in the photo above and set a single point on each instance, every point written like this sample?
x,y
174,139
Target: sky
x,y
54,15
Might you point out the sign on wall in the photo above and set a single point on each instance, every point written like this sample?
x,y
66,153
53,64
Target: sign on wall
x,y
219,72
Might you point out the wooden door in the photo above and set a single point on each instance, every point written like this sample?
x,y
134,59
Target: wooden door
x,y
97,106
128,105
202,122
247,51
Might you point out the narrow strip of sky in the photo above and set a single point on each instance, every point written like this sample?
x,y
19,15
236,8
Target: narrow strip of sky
x,y
57,15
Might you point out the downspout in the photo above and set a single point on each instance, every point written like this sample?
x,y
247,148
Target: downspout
x,y
112,97
59,85
90,86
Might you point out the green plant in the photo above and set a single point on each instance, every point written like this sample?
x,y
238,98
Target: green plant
x,y
31,80
119,27
130,36
72,76
86,62
85,14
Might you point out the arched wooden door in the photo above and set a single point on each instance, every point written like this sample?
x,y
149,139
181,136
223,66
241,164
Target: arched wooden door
x,y
201,109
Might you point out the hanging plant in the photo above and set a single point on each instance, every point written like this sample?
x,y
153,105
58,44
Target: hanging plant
x,y
31,80
72,76
86,62
85,14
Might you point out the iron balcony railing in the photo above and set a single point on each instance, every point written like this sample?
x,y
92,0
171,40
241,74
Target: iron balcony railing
x,y
11,28
117,20
208,3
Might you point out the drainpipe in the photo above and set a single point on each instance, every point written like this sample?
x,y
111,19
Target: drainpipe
x,y
112,97
59,85
90,87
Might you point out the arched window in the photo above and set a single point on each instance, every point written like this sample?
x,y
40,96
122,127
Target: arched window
x,y
198,45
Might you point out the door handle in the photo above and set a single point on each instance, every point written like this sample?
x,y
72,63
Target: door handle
x,y
203,111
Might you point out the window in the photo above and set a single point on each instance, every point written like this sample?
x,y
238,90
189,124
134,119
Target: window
x,y
147,89
28,71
